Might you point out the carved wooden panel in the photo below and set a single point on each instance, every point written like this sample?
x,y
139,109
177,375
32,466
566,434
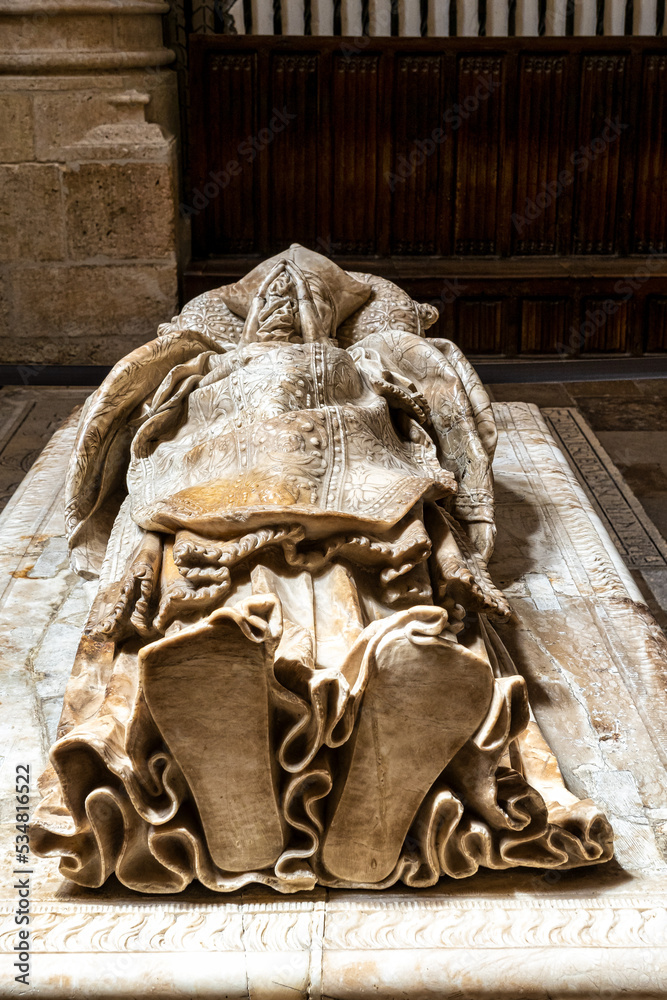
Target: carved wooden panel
x,y
420,136
544,326
479,325
540,181
602,124
656,325
478,118
225,185
604,325
356,96
293,138
650,214
552,150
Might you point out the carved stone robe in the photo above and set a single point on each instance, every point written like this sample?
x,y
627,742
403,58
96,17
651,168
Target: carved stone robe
x,y
289,606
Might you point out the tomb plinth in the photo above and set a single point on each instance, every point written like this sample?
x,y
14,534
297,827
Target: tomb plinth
x,y
593,659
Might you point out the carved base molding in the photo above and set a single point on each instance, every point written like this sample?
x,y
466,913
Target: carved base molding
x,y
102,35
595,663
418,948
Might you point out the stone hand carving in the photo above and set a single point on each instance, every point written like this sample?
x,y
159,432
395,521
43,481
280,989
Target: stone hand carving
x,y
290,673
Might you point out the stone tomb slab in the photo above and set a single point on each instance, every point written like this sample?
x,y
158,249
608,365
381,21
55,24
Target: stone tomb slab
x,y
596,665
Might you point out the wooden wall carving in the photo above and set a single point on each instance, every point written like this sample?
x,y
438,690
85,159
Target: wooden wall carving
x,y
518,183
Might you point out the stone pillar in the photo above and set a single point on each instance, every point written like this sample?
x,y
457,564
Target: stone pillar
x,y
88,179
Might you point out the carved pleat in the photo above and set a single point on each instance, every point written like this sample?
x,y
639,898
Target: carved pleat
x,y
119,802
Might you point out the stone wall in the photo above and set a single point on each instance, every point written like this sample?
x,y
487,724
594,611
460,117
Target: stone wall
x,y
88,179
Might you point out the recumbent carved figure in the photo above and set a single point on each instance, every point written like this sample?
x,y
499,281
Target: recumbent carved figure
x,y
290,673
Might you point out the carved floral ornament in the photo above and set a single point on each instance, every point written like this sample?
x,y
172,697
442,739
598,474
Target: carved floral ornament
x,y
290,673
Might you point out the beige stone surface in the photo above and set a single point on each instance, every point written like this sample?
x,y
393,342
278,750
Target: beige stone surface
x,y
31,213
66,107
88,175
88,314
16,128
5,294
65,117
138,33
586,934
88,35
64,31
119,210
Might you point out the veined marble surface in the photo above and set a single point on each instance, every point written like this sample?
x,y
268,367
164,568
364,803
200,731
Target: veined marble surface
x,y
596,667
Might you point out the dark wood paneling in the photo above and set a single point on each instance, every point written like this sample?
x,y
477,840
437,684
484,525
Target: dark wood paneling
x,y
417,153
604,325
527,311
477,121
479,324
602,123
416,158
293,143
539,179
544,325
223,199
656,324
355,96
650,216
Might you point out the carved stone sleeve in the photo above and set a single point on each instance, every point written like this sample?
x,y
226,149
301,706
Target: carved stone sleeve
x,y
452,418
102,446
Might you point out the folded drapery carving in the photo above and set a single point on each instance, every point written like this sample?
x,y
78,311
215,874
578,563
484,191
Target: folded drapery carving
x,y
290,673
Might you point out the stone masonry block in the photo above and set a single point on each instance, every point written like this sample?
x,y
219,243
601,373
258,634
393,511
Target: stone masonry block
x,y
66,118
138,33
63,117
16,128
4,300
68,31
31,214
120,210
86,314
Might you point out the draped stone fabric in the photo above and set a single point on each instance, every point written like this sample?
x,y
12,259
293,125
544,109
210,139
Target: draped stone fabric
x,y
290,674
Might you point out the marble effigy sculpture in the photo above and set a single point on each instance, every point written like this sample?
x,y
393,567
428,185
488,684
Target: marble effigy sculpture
x,y
290,673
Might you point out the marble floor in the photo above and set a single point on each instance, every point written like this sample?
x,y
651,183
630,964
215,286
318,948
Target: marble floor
x,y
28,417
628,417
